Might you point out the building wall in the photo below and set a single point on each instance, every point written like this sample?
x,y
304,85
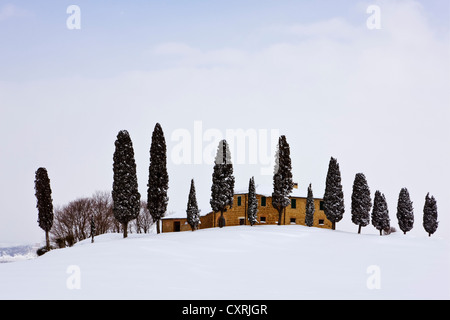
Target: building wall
x,y
168,225
299,214
237,215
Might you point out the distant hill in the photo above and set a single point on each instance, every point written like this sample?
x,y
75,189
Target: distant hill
x,y
11,253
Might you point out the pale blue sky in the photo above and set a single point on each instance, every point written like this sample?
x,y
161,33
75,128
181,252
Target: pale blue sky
x,y
116,35
310,69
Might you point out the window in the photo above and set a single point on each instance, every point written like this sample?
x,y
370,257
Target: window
x,y
293,203
321,222
292,220
241,221
239,199
321,205
263,201
263,219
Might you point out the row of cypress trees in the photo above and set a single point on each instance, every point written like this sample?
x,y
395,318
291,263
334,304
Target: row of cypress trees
x,y
125,194
222,196
126,197
362,204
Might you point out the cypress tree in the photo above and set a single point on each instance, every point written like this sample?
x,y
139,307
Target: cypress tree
x,y
252,210
405,212
192,211
44,204
361,202
125,194
430,215
380,212
333,199
222,189
282,178
309,216
158,179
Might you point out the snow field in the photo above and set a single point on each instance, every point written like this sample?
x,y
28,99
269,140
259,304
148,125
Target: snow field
x,y
242,262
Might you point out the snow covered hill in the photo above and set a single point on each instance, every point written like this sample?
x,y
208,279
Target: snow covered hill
x,y
243,262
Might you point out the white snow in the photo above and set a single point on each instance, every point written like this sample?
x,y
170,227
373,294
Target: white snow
x,y
242,262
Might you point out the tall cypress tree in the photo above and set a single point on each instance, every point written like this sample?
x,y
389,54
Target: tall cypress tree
x,y
44,204
125,194
405,212
282,178
192,211
361,202
380,212
333,199
430,215
222,189
252,210
158,179
309,216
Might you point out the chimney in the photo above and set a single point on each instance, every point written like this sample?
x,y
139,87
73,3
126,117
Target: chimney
x,y
295,185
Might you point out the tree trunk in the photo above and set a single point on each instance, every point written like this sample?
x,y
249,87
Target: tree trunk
x,y
381,231
280,213
359,229
125,229
158,228
47,241
333,225
221,220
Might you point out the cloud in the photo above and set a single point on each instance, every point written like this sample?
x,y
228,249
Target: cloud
x,y
335,28
174,48
183,55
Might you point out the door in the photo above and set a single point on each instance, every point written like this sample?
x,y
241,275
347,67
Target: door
x,y
176,226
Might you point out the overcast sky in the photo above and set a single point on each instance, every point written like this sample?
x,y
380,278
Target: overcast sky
x,y
376,99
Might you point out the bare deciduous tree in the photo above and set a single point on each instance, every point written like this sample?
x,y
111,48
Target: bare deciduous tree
x,y
72,222
102,211
144,221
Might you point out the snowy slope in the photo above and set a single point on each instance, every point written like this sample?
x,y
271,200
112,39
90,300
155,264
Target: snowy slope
x,y
243,262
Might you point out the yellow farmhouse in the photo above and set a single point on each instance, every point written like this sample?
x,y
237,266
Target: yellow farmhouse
x,y
267,214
